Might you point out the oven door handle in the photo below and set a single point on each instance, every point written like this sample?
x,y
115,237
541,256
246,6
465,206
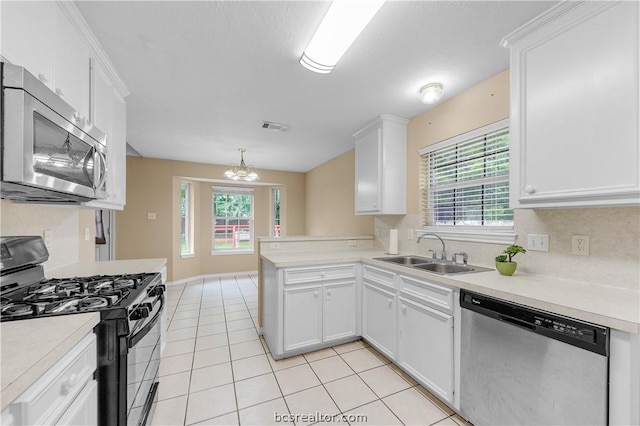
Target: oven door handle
x,y
134,339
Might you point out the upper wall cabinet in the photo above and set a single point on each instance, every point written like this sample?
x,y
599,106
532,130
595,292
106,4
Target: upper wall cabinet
x,y
381,166
575,106
40,37
54,43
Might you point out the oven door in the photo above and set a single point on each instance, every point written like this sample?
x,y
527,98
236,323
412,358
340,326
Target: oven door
x,y
143,361
46,150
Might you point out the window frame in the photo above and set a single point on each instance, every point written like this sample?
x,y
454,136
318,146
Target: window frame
x,y
189,226
502,234
276,211
237,191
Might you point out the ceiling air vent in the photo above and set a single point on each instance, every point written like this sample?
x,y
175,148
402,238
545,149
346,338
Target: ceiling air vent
x,y
275,126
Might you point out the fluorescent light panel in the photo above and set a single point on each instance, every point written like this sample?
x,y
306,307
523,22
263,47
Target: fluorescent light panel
x,y
342,24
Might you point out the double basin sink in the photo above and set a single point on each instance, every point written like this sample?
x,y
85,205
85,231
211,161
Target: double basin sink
x,y
432,265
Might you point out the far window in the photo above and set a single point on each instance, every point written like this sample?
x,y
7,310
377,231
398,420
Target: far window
x,y
275,205
186,220
232,220
465,181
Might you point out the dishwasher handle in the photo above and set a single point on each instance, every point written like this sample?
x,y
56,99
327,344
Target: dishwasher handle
x,y
517,322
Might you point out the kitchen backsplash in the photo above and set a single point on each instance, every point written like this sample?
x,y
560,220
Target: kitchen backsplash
x,y
614,234
66,244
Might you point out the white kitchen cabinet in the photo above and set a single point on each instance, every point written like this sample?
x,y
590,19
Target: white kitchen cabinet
x,y
302,316
379,318
575,107
425,347
309,308
339,310
108,113
66,394
40,37
380,166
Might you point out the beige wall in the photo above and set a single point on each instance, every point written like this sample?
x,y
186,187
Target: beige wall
x,y
153,186
66,225
330,202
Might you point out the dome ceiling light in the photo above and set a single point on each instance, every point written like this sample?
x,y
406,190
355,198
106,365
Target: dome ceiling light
x,y
431,93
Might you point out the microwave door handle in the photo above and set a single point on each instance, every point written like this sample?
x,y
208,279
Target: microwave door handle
x,y
85,167
102,169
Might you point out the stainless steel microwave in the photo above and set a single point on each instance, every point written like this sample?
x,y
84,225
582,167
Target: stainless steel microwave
x,y
50,153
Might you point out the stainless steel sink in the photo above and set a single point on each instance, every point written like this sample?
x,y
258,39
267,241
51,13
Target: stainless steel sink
x,y
405,260
445,268
432,265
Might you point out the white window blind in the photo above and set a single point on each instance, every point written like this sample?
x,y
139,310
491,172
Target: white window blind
x,y
465,180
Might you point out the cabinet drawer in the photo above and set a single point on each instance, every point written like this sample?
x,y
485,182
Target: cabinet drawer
x,y
301,275
435,295
49,397
379,276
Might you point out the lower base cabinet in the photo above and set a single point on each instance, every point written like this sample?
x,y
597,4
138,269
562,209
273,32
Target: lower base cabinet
x,y
339,311
379,319
302,316
425,346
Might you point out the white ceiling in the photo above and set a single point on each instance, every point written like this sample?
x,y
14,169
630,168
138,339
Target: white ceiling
x,y
203,75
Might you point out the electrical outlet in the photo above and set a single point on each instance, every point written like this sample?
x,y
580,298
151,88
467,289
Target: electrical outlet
x,y
377,231
352,243
151,216
410,234
274,246
46,235
538,242
580,245
87,234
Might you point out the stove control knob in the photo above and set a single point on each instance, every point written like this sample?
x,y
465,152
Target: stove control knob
x,y
140,312
157,290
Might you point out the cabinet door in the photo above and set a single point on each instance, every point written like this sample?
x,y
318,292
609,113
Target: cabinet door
x,y
368,164
24,33
339,310
302,316
84,410
108,113
71,64
574,127
425,347
379,319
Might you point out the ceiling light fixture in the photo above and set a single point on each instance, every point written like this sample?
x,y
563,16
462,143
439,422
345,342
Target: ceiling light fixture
x,y
241,172
342,24
431,93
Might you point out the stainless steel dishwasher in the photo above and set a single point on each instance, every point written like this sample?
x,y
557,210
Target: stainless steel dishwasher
x,y
522,366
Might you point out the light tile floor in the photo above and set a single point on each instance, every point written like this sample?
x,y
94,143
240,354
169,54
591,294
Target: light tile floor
x,y
217,370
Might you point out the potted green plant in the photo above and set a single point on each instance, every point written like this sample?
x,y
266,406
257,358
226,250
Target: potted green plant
x,y
504,264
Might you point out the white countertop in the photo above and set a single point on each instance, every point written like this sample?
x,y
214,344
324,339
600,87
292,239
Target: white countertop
x,y
114,267
600,304
31,346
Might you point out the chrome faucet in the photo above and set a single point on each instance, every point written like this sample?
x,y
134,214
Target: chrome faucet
x,y
444,253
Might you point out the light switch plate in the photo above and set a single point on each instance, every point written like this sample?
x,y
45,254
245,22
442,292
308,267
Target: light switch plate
x,y
151,216
538,242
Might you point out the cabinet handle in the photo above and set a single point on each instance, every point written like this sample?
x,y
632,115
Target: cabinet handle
x,y
529,189
329,292
315,293
42,78
59,91
404,309
390,301
68,384
76,116
375,205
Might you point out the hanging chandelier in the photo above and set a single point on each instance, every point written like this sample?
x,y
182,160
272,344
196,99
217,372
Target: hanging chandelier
x,y
241,172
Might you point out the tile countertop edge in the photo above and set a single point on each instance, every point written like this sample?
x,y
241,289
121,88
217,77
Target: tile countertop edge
x,y
20,371
313,238
113,267
532,290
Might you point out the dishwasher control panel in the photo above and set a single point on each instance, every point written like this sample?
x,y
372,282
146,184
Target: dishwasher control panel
x,y
592,337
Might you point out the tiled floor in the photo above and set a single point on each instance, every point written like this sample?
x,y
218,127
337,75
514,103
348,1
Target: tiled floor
x,y
216,370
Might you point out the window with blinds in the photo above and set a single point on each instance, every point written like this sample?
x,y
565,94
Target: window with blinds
x,y
465,180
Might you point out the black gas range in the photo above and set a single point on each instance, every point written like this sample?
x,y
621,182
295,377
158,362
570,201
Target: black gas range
x,y
127,336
